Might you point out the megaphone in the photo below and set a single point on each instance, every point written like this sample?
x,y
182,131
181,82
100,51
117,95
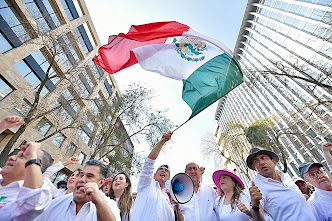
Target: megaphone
x,y
181,188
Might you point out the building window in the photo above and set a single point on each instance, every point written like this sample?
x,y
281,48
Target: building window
x,y
87,80
5,88
107,89
33,68
70,9
59,176
69,57
84,136
11,26
4,44
3,135
82,157
79,83
43,126
96,70
69,102
23,108
71,149
44,13
58,139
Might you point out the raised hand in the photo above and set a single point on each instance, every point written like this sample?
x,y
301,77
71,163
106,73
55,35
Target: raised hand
x,y
92,192
71,160
242,208
166,136
327,146
10,121
255,195
31,150
105,160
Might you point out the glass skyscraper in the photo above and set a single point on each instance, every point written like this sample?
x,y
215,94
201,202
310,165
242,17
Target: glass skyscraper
x,y
285,50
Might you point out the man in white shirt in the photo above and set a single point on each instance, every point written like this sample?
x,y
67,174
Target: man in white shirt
x,y
23,193
200,207
273,192
320,200
152,202
87,202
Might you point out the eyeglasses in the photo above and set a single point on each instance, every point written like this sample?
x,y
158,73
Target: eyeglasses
x,y
315,174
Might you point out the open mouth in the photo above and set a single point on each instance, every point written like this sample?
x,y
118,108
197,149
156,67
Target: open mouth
x,y
80,189
10,164
265,168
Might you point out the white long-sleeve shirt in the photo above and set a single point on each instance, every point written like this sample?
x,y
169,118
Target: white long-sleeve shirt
x,y
152,203
48,173
64,208
21,203
200,207
283,200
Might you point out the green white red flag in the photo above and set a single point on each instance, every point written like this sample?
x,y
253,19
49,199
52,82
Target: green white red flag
x,y
207,67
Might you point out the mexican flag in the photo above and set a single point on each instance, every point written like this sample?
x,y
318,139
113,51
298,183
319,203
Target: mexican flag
x,y
207,67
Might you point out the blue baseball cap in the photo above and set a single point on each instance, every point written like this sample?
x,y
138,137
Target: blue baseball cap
x,y
304,167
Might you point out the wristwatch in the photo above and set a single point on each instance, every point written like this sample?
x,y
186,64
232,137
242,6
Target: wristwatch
x,y
256,208
36,161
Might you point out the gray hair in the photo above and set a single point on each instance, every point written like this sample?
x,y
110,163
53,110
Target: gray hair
x,y
101,165
191,163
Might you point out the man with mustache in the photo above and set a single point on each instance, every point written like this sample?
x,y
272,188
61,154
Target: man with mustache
x,y
273,192
152,202
320,200
87,202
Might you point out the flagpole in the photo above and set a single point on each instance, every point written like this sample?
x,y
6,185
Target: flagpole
x,y
181,125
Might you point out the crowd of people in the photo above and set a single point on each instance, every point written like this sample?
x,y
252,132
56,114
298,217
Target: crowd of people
x,y
26,192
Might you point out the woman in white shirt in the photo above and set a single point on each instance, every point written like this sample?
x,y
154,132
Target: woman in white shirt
x,y
121,193
232,193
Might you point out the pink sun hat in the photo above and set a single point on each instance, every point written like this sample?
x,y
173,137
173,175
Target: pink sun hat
x,y
216,177
108,180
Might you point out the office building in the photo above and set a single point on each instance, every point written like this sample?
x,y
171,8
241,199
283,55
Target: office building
x,y
54,40
279,37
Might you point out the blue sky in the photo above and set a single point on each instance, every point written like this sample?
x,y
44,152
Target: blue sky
x,y
219,19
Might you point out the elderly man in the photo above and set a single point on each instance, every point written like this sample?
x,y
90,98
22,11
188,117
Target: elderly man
x,y
200,207
152,202
273,192
320,200
87,202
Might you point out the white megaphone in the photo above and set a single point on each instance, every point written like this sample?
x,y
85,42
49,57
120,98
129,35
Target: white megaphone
x,y
181,188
